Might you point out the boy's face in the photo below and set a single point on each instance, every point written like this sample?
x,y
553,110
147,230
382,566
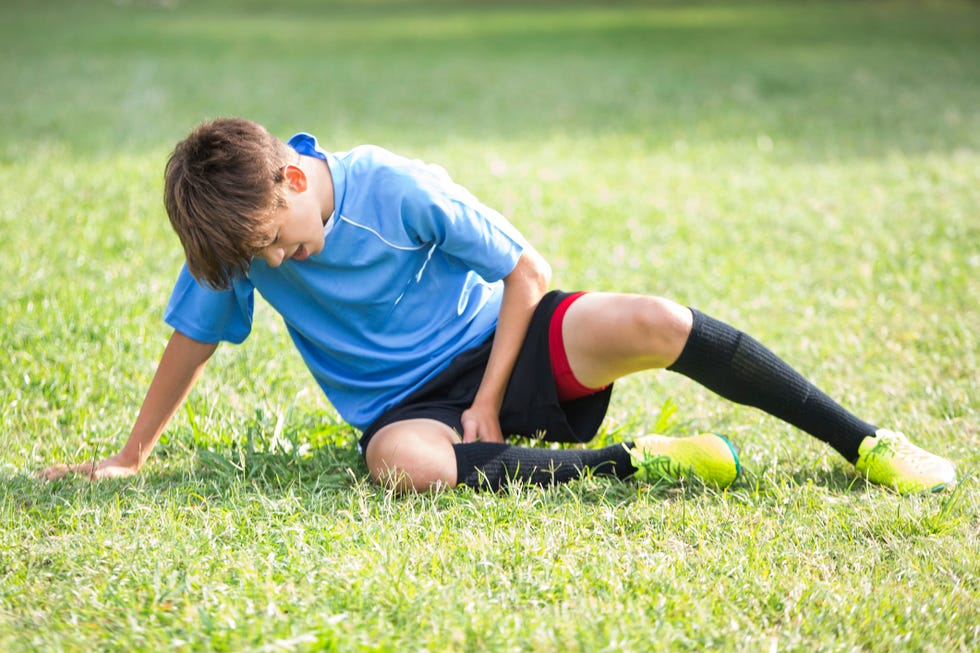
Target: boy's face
x,y
295,231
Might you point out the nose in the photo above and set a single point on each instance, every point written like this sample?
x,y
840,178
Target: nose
x,y
274,256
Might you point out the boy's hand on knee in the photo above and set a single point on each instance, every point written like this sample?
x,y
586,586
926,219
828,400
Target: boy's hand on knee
x,y
113,467
481,424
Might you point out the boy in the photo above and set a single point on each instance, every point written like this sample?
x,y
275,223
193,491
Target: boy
x,y
423,315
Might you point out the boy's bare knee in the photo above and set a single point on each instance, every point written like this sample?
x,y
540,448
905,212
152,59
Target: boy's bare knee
x,y
665,325
415,455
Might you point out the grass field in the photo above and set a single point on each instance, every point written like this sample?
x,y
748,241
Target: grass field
x,y
807,171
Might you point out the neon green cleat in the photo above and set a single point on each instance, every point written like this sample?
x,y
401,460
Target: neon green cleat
x,y
708,456
888,458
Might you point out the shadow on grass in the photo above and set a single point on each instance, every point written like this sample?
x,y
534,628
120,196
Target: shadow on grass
x,y
839,480
336,474
326,476
214,476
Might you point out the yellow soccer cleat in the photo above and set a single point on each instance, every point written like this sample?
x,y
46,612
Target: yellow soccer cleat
x,y
707,456
888,458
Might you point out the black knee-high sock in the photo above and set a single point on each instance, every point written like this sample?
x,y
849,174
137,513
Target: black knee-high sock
x,y
490,465
737,367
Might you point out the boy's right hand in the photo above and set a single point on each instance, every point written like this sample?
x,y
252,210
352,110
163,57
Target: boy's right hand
x,y
113,467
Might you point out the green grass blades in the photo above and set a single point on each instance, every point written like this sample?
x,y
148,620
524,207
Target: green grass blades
x,y
805,171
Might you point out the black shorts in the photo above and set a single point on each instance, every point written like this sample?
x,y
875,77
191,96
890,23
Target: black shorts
x,y
531,407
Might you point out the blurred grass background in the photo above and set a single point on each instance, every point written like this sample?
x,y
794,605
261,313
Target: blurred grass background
x,y
805,170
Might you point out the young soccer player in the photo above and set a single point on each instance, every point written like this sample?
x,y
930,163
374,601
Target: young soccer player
x,y
424,316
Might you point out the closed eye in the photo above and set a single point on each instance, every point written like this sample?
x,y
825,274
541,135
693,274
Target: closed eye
x,y
266,245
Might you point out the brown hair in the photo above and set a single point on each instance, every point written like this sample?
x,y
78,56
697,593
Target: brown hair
x,y
221,184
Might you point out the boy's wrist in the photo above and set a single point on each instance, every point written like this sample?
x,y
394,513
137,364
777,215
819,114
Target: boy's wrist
x,y
488,401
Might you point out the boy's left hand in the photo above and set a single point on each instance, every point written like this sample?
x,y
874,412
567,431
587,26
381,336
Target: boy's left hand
x,y
481,424
112,467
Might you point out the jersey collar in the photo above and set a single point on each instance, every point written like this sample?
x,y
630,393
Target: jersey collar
x,y
307,145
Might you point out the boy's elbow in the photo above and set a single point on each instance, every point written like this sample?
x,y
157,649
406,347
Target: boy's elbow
x,y
540,269
545,275
532,272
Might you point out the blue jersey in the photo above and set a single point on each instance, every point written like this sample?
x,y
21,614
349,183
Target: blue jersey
x,y
409,276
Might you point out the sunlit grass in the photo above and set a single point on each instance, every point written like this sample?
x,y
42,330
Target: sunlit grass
x,y
807,171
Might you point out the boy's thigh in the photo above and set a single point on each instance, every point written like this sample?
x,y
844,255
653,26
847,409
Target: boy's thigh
x,y
413,454
609,335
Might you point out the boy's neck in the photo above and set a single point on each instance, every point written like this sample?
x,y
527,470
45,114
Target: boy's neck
x,y
320,184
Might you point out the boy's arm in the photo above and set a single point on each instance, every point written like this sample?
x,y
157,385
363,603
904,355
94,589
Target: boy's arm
x,y
523,289
181,364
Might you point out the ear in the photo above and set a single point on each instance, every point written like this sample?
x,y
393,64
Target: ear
x,y
295,178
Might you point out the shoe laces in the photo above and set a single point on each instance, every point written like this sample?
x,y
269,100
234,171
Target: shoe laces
x,y
659,465
902,450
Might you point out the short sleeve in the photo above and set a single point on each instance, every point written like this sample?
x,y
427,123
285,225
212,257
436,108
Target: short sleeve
x,y
439,210
209,315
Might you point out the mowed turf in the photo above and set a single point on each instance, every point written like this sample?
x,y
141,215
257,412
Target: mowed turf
x,y
806,171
